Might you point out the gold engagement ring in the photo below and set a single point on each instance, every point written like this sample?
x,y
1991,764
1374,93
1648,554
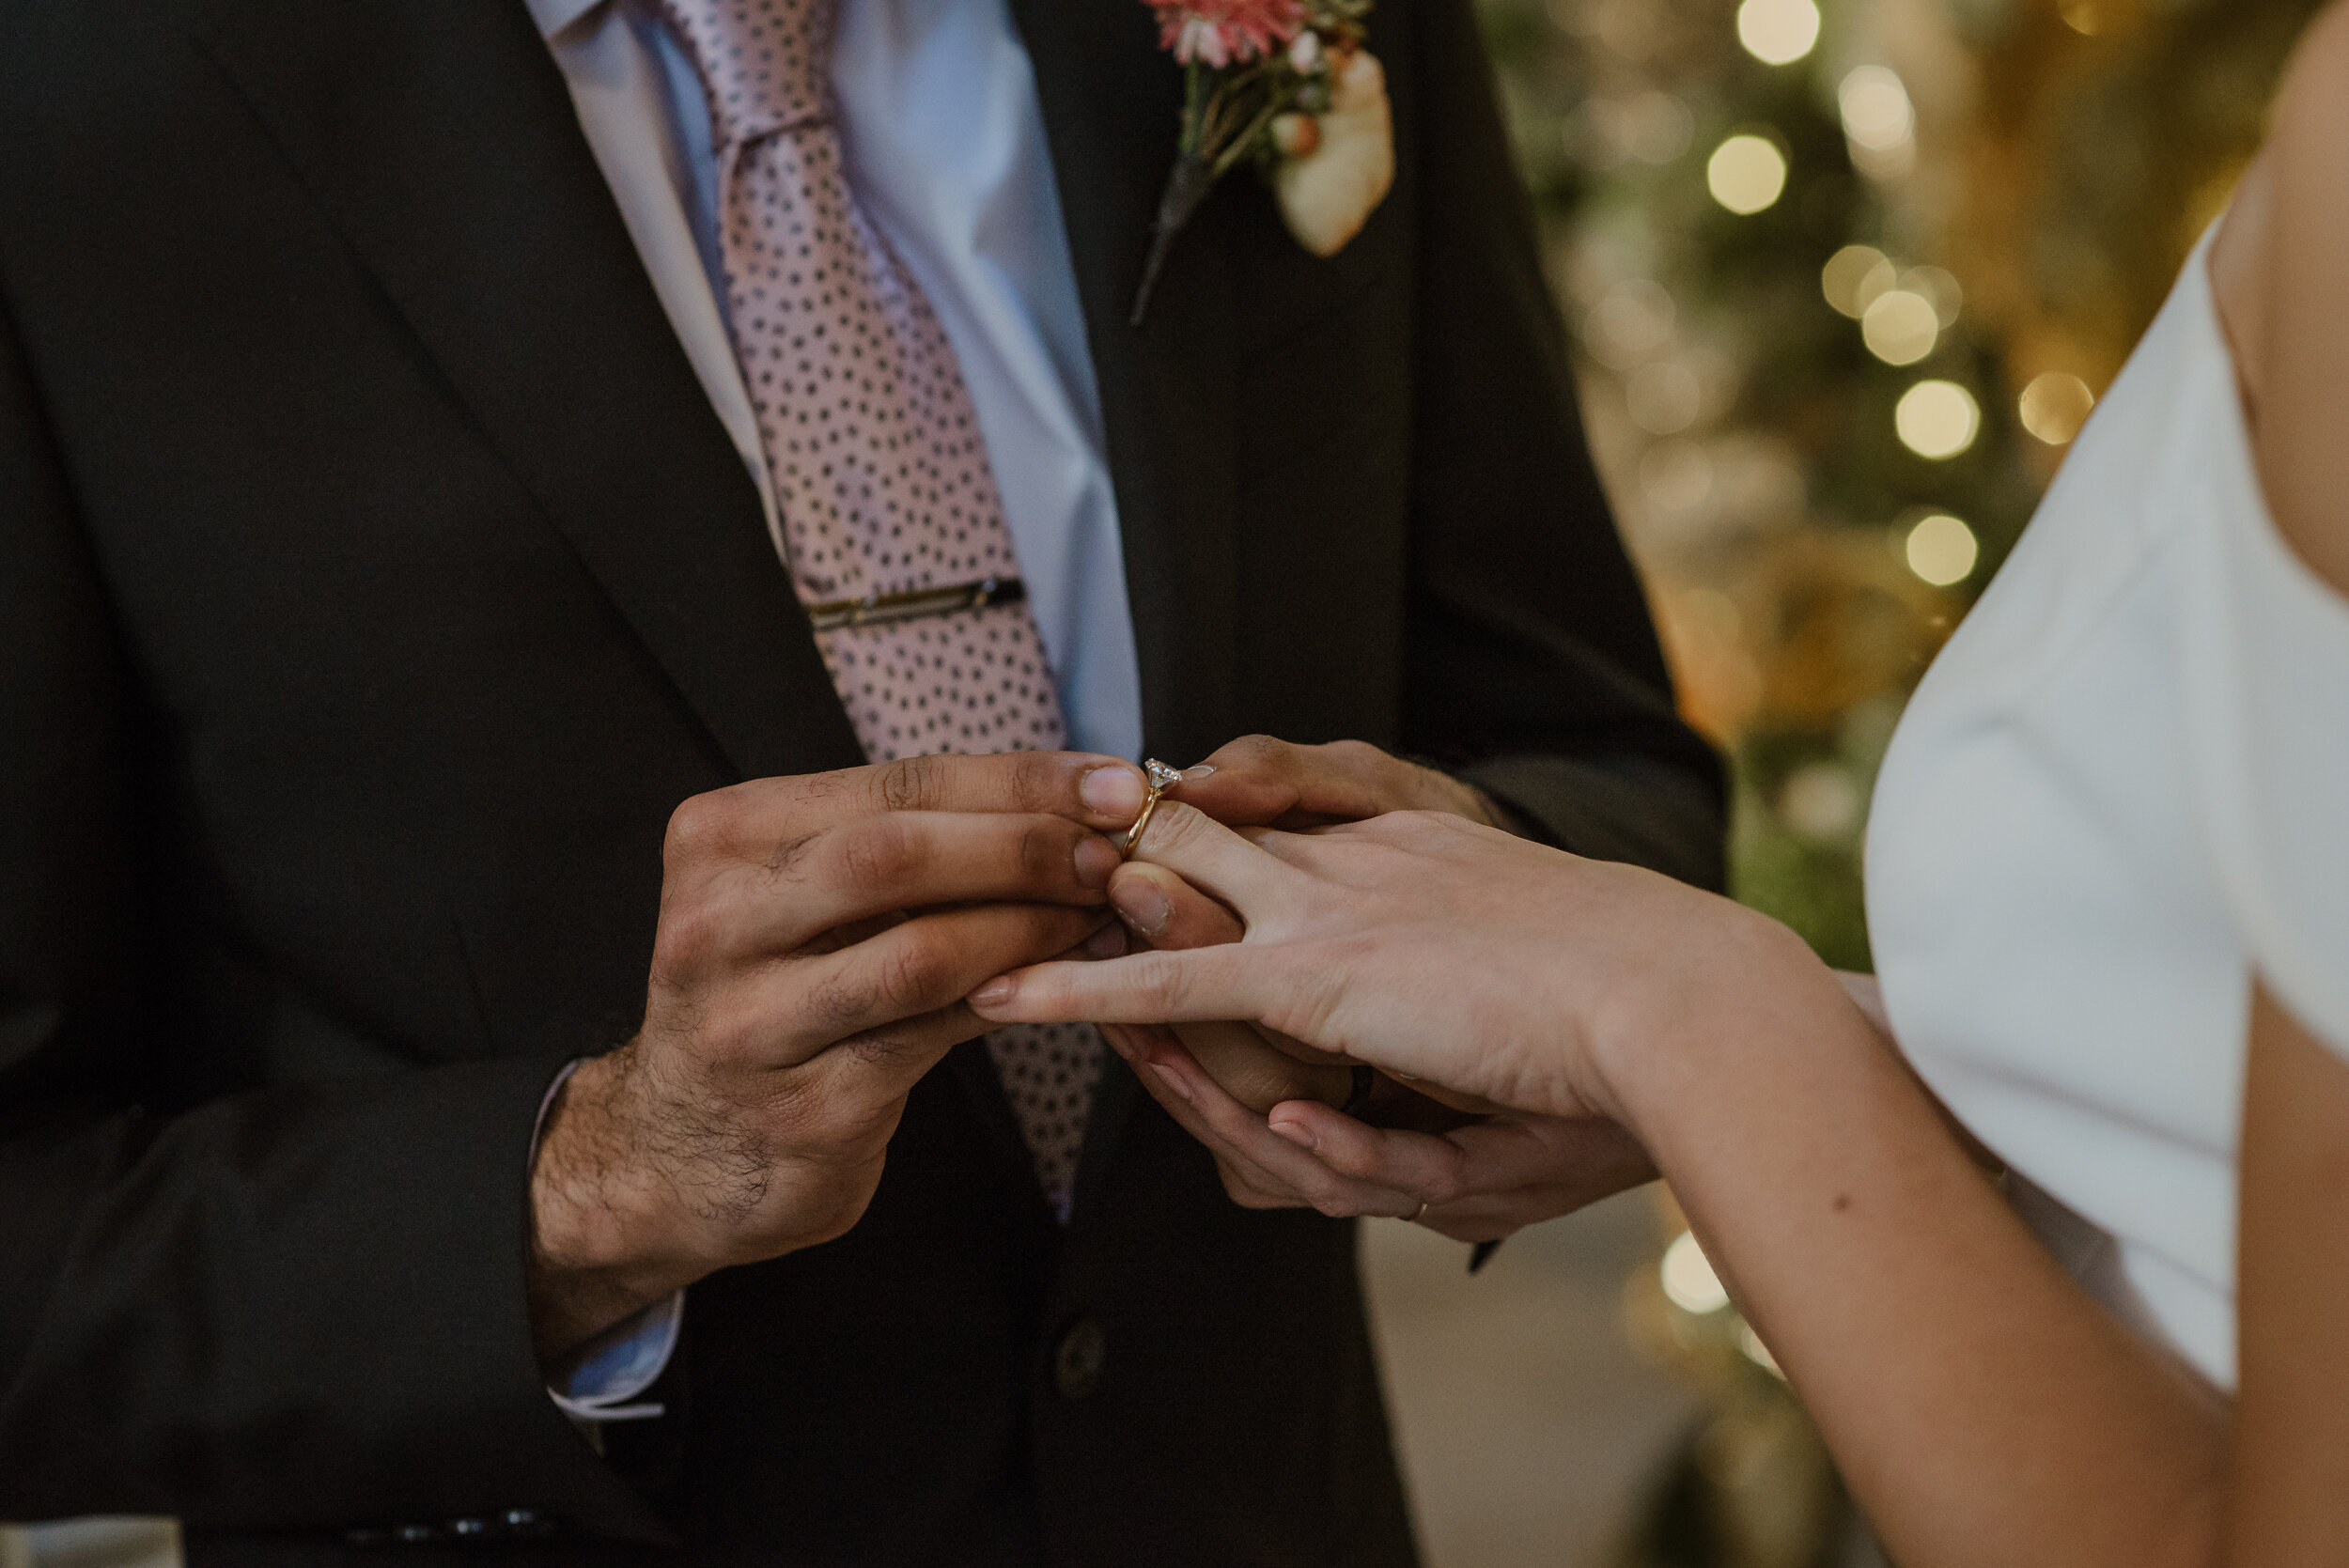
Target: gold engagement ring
x,y
1162,779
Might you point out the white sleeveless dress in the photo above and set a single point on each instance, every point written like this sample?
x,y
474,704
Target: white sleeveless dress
x,y
2121,792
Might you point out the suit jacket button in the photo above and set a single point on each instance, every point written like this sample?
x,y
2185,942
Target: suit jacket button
x,y
1077,1361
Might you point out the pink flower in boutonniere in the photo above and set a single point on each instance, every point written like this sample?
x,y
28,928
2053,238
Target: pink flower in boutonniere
x,y
1285,85
1222,31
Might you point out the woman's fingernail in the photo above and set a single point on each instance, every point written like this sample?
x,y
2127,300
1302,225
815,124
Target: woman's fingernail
x,y
999,989
1197,773
1297,1133
1107,943
1116,791
1142,905
1173,1080
1097,860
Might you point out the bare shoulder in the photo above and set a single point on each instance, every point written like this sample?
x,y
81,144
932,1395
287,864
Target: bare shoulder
x,y
2312,105
2295,260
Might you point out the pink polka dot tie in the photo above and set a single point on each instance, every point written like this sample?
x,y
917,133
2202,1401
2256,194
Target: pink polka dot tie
x,y
878,468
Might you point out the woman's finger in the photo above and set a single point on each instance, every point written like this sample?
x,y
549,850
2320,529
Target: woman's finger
x,y
1200,985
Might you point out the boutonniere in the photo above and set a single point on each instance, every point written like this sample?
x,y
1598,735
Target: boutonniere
x,y
1285,84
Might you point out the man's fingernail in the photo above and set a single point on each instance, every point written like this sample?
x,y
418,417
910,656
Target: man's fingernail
x,y
1107,943
1096,860
1297,1133
1173,1080
1194,774
998,989
1142,905
1116,791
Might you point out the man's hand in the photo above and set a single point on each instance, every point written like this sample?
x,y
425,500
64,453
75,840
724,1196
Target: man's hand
x,y
1258,781
817,936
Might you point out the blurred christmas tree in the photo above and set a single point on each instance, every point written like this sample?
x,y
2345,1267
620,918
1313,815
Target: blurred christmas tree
x,y
1848,276
1847,281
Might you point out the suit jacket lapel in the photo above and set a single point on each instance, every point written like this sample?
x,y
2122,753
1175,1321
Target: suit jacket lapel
x,y
441,140
1112,103
438,137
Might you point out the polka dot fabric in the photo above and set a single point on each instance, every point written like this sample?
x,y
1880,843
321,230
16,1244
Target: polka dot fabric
x,y
879,471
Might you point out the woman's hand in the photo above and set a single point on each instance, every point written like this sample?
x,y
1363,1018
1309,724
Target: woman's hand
x,y
1258,780
1480,1181
1428,946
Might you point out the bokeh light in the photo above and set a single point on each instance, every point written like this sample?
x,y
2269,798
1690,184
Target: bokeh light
x,y
1937,419
1942,288
1900,328
1631,321
1689,1280
1676,475
1877,112
1822,801
1778,32
1855,276
1747,173
1663,397
1879,123
1755,1351
1941,549
2055,406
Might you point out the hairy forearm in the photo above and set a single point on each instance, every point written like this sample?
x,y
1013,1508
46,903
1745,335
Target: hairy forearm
x,y
596,1256
1984,1409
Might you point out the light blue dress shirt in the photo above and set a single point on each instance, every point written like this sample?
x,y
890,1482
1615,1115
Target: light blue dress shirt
x,y
944,143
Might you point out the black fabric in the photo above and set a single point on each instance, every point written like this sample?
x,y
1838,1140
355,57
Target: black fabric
x,y
376,580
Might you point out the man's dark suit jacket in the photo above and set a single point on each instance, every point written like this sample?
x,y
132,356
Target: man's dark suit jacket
x,y
375,579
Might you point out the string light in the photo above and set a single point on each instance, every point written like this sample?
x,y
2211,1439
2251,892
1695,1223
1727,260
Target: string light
x,y
1778,32
1663,397
1877,112
2055,406
1688,1277
1900,328
1854,277
1756,1352
1879,123
1941,549
1937,419
1747,173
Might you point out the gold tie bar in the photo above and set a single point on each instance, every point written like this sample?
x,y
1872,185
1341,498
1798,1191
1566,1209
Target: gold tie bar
x,y
880,608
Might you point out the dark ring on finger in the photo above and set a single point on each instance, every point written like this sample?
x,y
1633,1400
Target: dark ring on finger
x,y
1365,1085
